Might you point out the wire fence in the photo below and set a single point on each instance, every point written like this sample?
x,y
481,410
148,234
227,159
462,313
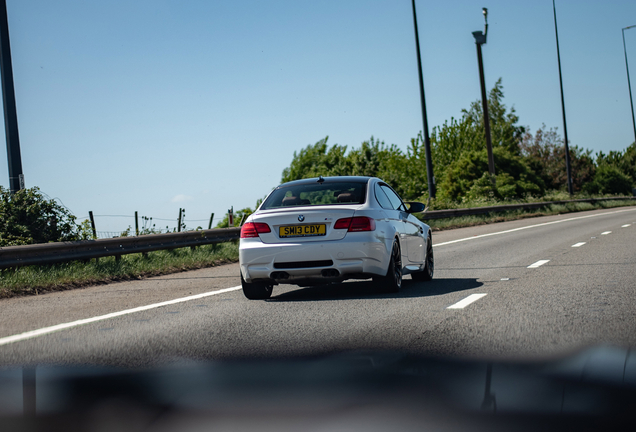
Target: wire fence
x,y
147,225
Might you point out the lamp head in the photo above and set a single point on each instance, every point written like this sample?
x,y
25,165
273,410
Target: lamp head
x,y
485,12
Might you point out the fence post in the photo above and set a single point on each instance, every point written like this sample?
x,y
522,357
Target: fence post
x,y
136,224
211,218
90,215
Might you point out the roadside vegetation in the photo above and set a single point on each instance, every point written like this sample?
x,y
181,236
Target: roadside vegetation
x,y
528,166
548,210
29,217
33,280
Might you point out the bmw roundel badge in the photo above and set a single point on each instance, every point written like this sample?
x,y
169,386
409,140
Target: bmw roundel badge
x,y
301,218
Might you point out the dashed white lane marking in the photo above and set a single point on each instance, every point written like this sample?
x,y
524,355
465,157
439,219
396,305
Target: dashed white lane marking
x,y
579,244
538,263
626,225
64,326
606,233
468,300
528,227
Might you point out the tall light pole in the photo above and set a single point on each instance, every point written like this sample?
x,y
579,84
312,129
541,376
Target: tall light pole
x,y
629,85
16,178
427,141
568,170
480,39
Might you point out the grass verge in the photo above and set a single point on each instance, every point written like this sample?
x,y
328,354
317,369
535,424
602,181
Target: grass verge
x,y
552,209
33,280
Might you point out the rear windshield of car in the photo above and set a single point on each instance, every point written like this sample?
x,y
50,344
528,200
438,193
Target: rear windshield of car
x,y
312,194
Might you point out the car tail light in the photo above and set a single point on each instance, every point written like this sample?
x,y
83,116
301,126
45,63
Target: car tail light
x,y
356,224
342,223
253,229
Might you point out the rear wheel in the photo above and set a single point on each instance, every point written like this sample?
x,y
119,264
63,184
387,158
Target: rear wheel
x,y
257,290
429,264
392,282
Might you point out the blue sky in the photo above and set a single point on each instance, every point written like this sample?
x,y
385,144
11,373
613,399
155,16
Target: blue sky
x,y
154,105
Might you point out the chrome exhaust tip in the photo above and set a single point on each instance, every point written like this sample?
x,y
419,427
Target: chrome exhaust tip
x,y
279,275
330,273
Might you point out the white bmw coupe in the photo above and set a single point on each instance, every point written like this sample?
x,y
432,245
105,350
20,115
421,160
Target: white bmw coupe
x,y
323,230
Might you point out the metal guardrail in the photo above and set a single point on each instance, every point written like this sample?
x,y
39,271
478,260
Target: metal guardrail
x,y
50,253
442,214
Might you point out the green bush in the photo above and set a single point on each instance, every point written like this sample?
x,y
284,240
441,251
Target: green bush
x,y
28,217
609,180
468,179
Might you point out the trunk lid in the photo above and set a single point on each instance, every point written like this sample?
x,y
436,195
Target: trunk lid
x,y
304,224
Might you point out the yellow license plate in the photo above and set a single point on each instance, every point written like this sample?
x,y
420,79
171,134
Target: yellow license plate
x,y
302,230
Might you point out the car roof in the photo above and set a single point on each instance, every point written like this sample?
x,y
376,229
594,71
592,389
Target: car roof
x,y
356,179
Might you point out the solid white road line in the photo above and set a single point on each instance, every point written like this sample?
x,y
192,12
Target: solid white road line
x,y
625,226
468,300
538,263
64,326
579,244
606,233
529,226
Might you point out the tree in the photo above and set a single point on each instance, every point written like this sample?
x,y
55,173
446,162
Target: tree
x,y
467,178
545,154
373,158
608,179
453,138
625,160
318,159
28,217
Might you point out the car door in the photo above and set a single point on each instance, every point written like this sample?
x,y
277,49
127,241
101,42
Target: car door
x,y
398,216
412,231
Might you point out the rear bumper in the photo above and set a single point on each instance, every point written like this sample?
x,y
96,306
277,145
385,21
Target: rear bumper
x,y
355,255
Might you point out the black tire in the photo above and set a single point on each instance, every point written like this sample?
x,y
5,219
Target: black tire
x,y
429,264
392,281
256,291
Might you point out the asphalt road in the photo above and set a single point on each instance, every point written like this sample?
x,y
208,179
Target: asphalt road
x,y
583,294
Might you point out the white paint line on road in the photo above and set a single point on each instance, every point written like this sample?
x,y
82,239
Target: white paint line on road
x,y
528,227
625,226
579,244
606,233
538,263
468,300
64,326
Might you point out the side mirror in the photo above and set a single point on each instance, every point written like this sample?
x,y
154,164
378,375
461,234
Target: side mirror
x,y
415,207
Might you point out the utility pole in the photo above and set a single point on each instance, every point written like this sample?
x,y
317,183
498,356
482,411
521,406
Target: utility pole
x,y
480,39
16,177
629,84
568,170
430,178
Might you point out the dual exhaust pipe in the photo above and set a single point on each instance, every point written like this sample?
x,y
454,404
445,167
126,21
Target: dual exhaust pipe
x,y
327,273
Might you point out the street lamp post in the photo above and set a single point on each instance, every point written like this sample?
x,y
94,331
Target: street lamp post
x,y
16,178
629,85
568,170
427,142
480,39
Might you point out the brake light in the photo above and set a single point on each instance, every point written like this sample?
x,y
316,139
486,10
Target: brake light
x,y
356,224
253,229
342,223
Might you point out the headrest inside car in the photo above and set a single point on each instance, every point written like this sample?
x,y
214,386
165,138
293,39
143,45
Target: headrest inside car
x,y
347,197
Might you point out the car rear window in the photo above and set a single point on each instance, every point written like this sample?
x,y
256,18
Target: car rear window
x,y
311,194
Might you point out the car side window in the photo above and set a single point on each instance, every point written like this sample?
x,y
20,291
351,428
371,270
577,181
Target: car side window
x,y
394,198
382,198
